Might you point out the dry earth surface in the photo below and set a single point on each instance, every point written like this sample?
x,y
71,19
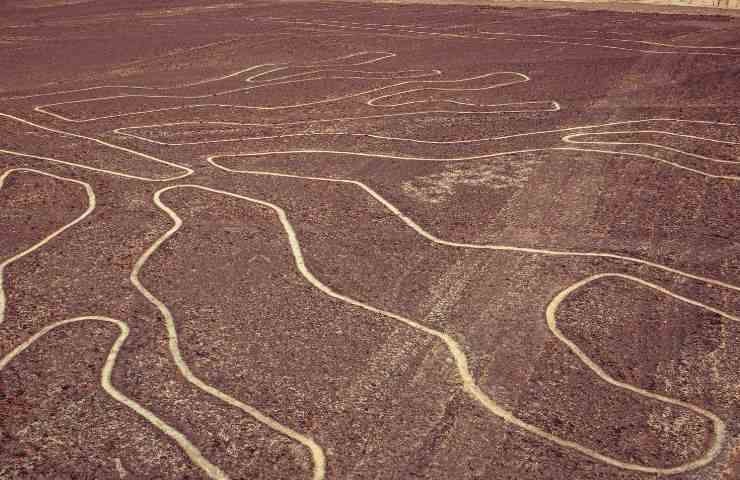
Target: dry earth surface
x,y
354,241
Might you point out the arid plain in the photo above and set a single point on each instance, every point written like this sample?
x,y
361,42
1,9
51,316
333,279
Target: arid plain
x,y
357,241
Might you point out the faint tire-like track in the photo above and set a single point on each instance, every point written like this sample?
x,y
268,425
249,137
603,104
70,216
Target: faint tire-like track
x,y
461,360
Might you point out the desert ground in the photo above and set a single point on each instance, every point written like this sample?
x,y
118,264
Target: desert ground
x,y
266,240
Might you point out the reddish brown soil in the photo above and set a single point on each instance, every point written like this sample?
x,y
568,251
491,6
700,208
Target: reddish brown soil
x,y
381,398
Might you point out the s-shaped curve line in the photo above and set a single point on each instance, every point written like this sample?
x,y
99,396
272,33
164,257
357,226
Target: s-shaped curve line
x,y
567,139
140,87
317,453
430,35
125,130
522,78
469,384
106,374
509,248
186,171
48,238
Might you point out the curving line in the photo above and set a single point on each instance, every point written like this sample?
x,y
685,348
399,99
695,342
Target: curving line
x,y
186,171
48,238
650,157
125,130
481,157
461,361
317,454
719,427
420,230
106,374
45,108
211,470
383,55
569,139
622,40
421,34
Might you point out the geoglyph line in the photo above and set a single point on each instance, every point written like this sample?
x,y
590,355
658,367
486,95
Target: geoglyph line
x,y
422,232
186,171
461,361
423,85
494,36
209,468
570,138
190,450
621,40
317,454
49,237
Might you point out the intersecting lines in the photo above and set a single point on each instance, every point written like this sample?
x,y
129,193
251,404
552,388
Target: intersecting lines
x,y
228,150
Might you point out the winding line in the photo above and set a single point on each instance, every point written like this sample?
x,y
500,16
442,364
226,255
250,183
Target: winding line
x,y
522,78
186,171
621,40
571,138
419,230
421,34
105,381
461,361
567,139
317,454
48,238
210,469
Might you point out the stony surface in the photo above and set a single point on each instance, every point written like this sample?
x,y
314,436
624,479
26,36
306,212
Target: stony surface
x,y
348,241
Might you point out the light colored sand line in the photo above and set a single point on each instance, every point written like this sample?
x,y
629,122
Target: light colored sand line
x,y
49,237
190,450
126,130
461,361
432,85
186,171
567,139
422,232
211,470
656,159
486,156
570,139
622,40
317,454
719,428
421,34
380,56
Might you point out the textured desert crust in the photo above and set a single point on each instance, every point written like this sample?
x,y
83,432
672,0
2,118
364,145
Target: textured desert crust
x,y
353,240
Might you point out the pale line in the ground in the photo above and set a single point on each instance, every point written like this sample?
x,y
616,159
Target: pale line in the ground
x,y
124,130
719,428
569,139
186,171
421,34
427,27
190,450
522,78
566,139
49,237
477,157
383,56
420,230
461,361
317,454
650,157
643,42
213,471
